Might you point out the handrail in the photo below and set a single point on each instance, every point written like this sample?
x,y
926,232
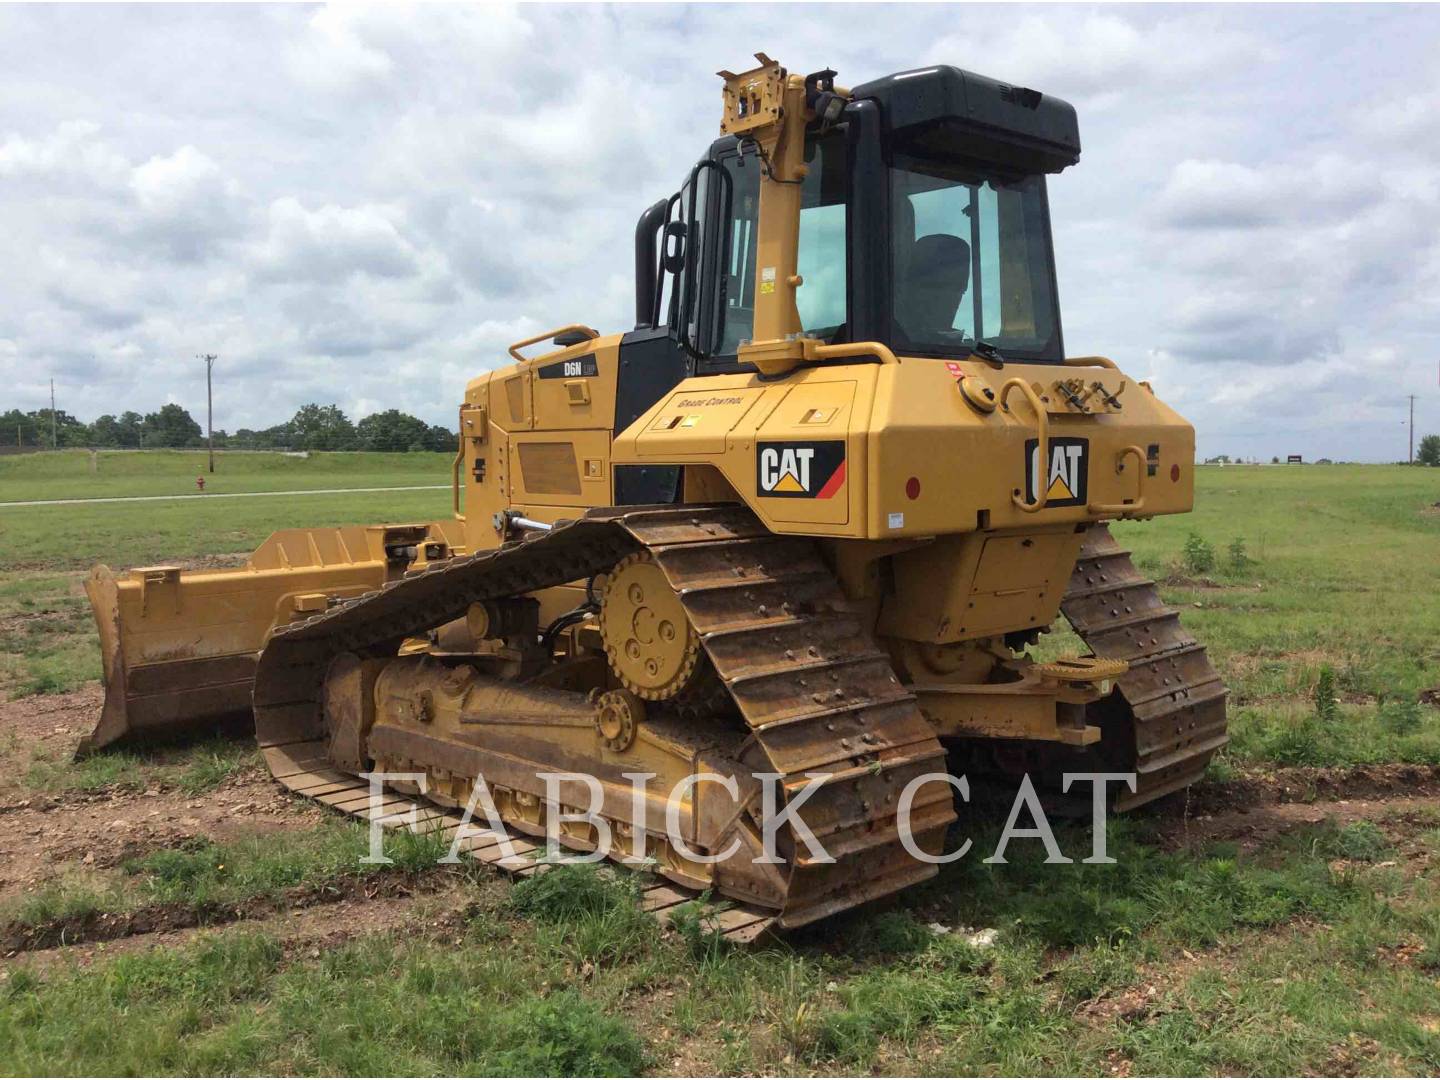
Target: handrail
x,y
850,348
1139,503
691,301
1042,444
580,327
455,471
1091,361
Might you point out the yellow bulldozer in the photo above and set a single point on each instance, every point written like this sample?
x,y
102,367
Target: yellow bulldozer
x,y
805,520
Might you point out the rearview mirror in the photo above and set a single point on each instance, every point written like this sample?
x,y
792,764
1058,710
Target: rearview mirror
x,y
672,247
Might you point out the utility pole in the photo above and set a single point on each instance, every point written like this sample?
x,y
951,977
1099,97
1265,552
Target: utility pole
x,y
209,359
54,430
1412,429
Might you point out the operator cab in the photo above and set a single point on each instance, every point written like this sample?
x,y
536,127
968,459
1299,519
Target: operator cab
x,y
923,225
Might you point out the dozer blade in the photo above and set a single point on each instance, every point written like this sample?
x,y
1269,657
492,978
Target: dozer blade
x,y
178,647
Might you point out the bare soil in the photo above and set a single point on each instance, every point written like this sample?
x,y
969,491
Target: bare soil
x,y
302,930
1304,784
163,918
44,833
49,835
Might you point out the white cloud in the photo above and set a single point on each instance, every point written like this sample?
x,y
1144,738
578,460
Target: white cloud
x,y
1229,194
187,205
331,243
1099,58
69,157
333,55
178,184
367,204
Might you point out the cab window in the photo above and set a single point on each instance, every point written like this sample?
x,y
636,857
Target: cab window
x,y
821,300
822,256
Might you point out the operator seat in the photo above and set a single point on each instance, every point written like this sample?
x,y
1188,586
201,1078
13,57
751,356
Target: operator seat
x,y
934,283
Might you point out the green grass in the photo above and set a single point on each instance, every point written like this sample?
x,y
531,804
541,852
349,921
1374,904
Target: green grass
x,y
1342,570
1281,961
77,474
212,880
234,1004
591,916
1339,562
1316,952
47,638
194,769
50,538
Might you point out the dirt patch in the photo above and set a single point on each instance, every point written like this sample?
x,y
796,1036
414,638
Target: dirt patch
x,y
46,835
45,721
1253,827
42,834
20,622
49,835
159,918
1201,584
303,931
40,841
1304,784
1242,666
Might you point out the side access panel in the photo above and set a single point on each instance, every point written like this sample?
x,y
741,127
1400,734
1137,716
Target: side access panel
x,y
795,452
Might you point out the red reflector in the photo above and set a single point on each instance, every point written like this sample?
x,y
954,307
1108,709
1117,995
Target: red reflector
x,y
1175,473
912,488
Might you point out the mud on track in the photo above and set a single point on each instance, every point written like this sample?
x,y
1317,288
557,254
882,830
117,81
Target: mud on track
x,y
45,836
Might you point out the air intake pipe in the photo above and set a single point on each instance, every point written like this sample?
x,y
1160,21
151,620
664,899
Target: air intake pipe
x,y
647,262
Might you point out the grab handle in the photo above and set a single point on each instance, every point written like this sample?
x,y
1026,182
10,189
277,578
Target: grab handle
x,y
1124,508
849,349
577,328
1042,444
455,475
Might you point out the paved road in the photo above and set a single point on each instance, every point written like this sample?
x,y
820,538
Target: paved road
x,y
219,495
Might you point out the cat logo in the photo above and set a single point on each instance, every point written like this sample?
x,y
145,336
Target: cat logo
x,y
1065,478
800,470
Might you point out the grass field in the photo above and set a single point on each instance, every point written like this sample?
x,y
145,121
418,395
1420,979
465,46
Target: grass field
x,y
1341,570
81,474
1254,940
46,634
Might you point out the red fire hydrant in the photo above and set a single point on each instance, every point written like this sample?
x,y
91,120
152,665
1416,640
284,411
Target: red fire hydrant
x,y
200,482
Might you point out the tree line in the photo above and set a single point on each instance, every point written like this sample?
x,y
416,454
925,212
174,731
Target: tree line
x,y
313,427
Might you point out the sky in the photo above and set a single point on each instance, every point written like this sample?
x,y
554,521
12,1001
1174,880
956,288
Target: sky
x,y
367,205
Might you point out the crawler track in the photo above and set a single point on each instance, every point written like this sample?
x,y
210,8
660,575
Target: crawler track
x,y
817,694
1167,718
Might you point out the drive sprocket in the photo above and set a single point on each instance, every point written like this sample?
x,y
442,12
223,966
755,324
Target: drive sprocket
x,y
652,648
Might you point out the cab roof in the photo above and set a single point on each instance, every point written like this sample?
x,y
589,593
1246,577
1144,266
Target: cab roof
x,y
944,109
